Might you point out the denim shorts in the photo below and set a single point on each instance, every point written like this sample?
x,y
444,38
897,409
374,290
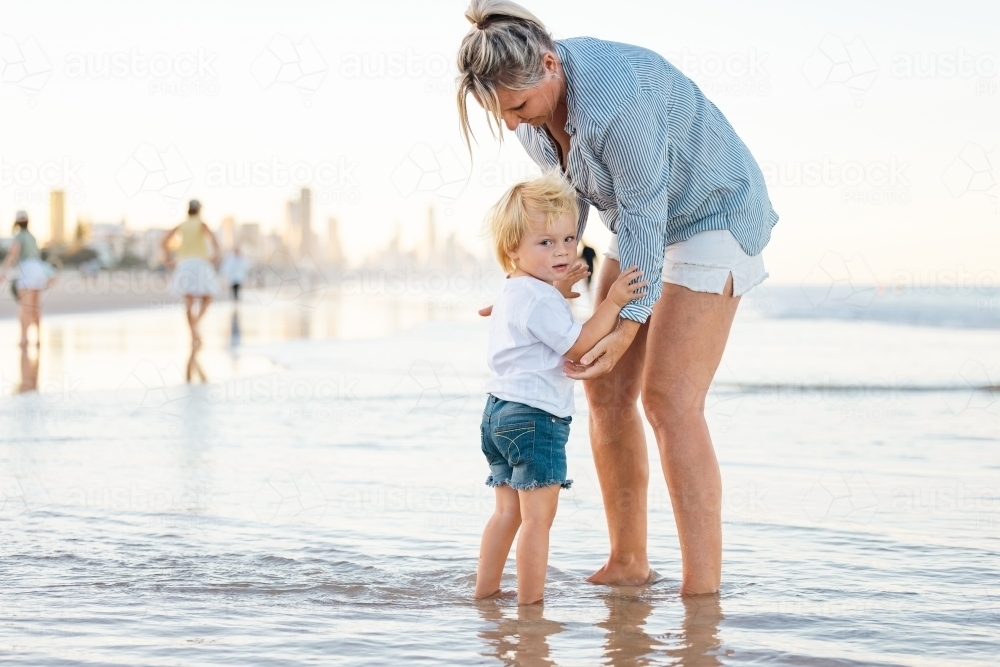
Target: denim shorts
x,y
525,446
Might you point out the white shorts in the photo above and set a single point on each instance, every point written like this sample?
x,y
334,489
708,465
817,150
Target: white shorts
x,y
704,262
34,274
194,277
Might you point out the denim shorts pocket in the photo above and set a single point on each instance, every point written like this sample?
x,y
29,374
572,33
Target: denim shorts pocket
x,y
516,441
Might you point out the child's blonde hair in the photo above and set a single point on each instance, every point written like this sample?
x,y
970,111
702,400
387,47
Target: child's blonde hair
x,y
550,196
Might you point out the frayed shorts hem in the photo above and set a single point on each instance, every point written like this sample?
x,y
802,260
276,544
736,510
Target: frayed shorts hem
x,y
529,486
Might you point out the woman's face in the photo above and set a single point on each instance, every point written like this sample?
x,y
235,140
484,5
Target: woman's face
x,y
537,104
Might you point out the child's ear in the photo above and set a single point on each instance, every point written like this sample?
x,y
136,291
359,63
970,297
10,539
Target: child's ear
x,y
512,254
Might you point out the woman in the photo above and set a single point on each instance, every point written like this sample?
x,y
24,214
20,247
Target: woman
x,y
686,201
33,275
194,277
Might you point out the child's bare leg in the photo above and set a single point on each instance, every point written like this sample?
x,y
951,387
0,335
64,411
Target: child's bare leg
x,y
497,538
538,509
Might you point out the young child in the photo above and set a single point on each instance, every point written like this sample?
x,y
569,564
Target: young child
x,y
528,412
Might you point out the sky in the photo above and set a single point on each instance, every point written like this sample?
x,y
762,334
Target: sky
x,y
877,125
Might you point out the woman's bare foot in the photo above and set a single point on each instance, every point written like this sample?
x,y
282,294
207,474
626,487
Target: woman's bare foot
x,y
621,575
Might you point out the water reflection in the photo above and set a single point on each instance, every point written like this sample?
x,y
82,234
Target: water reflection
x,y
194,371
234,329
522,641
697,645
29,370
626,641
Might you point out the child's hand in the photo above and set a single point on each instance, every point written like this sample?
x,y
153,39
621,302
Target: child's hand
x,y
575,274
624,289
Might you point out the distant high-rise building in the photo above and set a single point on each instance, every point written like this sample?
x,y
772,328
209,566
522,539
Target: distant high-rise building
x,y
57,217
228,232
250,234
335,253
298,231
428,250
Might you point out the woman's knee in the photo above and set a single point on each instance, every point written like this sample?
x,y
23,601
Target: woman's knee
x,y
672,408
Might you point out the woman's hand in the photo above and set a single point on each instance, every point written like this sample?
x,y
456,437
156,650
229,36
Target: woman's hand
x,y
605,354
577,272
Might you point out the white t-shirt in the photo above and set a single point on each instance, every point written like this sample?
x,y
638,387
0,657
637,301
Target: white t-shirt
x,y
531,329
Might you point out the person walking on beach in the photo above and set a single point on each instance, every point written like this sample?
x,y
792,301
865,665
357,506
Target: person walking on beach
x,y
33,276
194,276
687,204
235,268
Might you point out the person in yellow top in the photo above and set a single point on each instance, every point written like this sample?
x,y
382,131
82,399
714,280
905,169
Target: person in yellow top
x,y
194,275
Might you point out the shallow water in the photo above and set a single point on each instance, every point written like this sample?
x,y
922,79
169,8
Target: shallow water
x,y
318,499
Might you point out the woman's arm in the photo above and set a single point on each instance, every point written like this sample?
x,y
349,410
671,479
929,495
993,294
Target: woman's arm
x,y
215,243
635,152
15,252
625,289
606,353
165,243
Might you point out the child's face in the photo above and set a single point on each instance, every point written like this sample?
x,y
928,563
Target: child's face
x,y
546,253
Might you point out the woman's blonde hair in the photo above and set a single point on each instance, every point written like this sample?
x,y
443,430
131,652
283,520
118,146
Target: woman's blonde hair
x,y
550,197
504,48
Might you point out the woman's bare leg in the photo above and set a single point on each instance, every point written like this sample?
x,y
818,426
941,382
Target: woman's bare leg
x,y
618,442
687,336
497,538
29,314
538,510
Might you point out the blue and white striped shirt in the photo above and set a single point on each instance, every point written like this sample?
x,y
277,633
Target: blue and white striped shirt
x,y
656,158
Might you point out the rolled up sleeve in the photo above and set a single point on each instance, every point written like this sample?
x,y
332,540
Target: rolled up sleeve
x,y
635,153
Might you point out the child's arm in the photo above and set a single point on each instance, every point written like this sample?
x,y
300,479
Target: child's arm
x,y
604,319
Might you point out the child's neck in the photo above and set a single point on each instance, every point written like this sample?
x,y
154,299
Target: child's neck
x,y
521,273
